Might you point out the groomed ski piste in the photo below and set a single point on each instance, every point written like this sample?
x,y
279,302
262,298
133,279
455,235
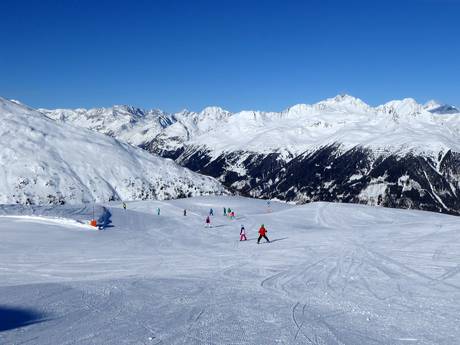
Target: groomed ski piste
x,y
333,274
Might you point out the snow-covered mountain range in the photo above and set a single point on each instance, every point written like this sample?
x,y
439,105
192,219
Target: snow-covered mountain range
x,y
130,124
43,161
342,119
399,154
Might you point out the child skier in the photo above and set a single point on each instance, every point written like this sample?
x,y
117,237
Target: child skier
x,y
124,205
208,222
262,233
243,233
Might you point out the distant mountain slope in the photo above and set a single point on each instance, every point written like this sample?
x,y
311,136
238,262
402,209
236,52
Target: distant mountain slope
x,y
130,124
43,161
398,125
399,154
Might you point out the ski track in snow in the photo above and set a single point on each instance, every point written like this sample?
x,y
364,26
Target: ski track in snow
x,y
334,274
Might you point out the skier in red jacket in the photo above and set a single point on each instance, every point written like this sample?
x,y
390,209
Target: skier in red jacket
x,y
262,233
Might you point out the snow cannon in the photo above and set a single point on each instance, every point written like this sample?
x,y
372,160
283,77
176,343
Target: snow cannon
x,y
93,222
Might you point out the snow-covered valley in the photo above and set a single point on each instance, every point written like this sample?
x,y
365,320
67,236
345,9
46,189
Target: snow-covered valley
x,y
333,274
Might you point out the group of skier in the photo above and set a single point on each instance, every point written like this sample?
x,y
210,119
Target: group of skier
x,y
228,212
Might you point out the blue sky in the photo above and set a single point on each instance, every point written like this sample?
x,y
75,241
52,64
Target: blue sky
x,y
239,54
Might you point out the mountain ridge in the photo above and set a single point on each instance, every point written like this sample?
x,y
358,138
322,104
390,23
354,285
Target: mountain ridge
x,y
321,119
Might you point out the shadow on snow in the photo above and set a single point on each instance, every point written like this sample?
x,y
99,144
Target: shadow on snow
x,y
12,318
263,240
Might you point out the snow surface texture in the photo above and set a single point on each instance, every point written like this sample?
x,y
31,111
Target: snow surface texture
x,y
402,125
333,274
43,161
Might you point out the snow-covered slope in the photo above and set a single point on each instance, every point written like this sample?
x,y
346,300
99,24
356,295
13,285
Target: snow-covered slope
x,y
334,274
43,161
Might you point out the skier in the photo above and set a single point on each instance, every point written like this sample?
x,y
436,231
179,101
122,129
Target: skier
x,y
208,222
232,215
124,205
225,212
243,233
262,233
229,210
211,212
185,212
158,211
